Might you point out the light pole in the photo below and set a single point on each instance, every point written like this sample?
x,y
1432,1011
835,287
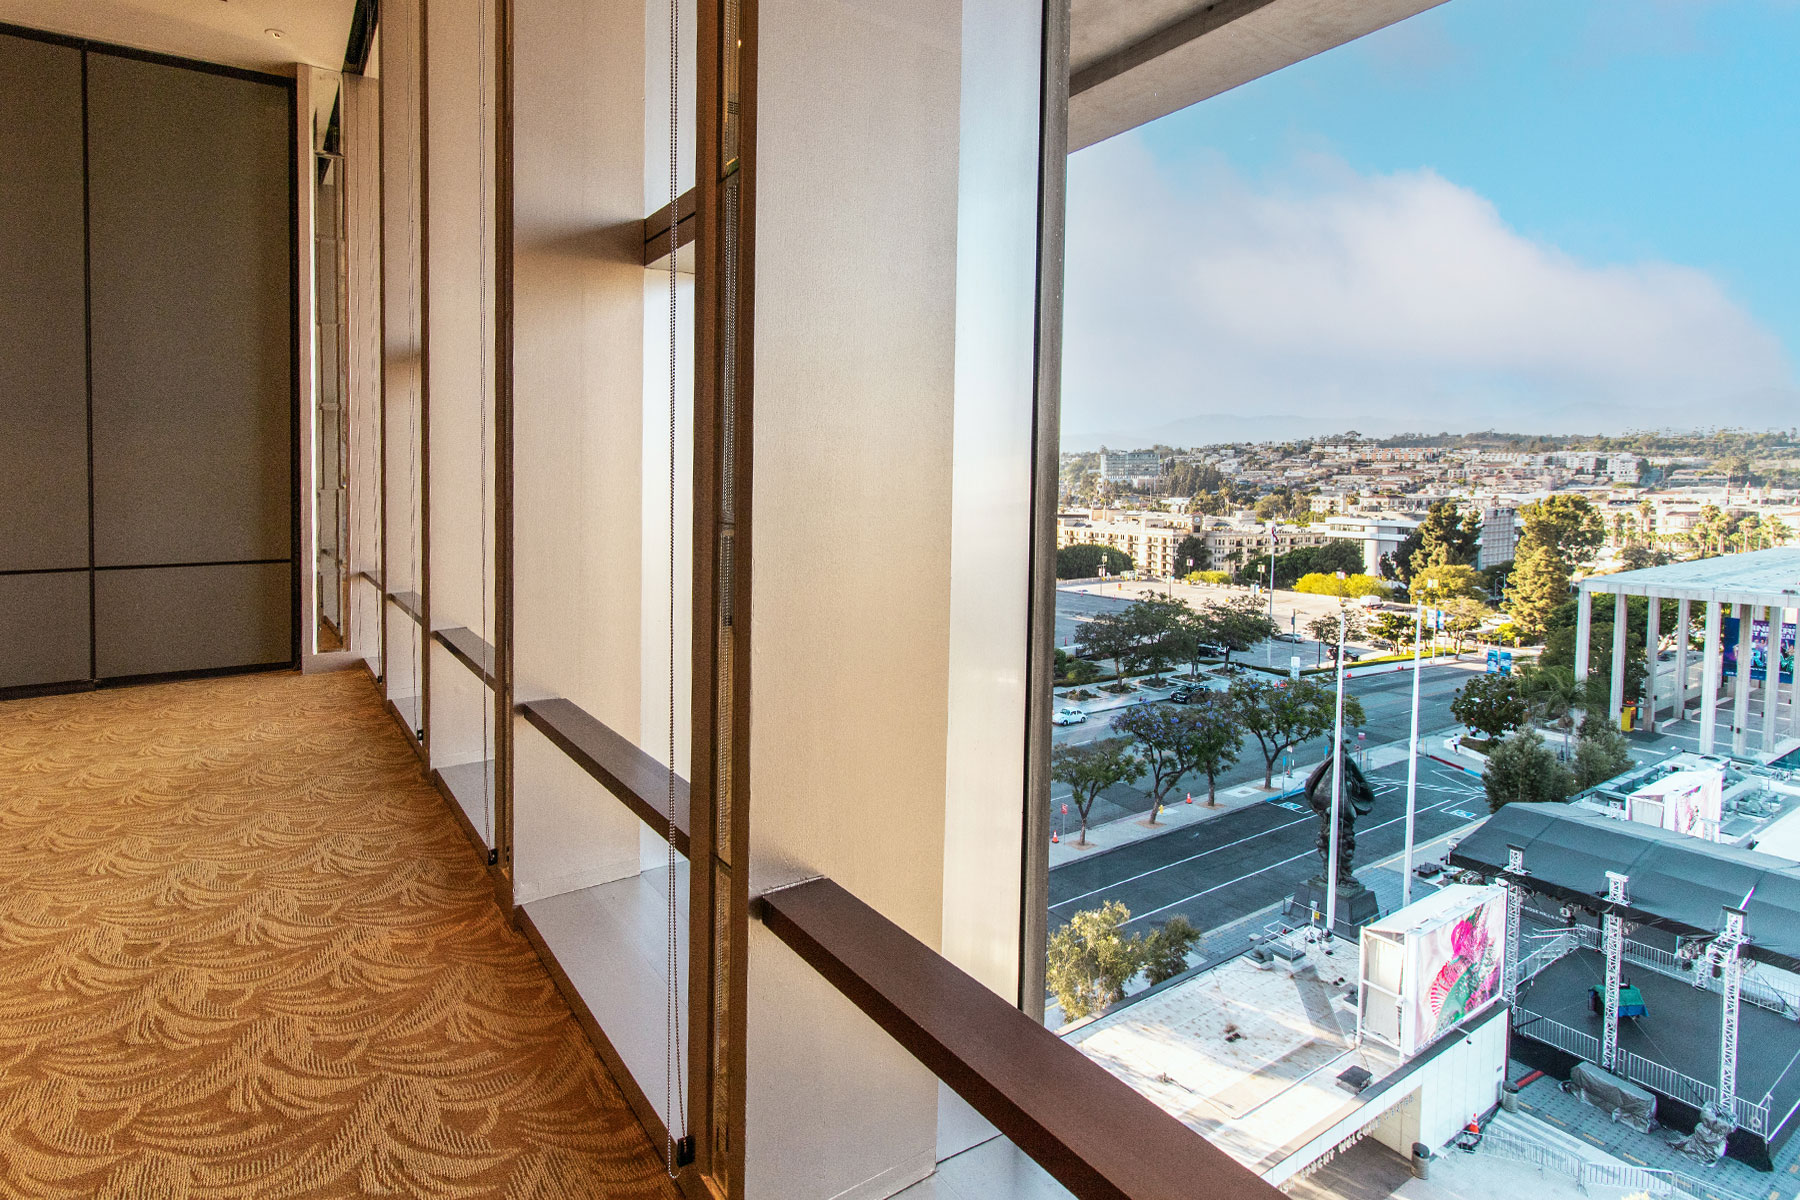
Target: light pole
x,y
1337,788
1412,759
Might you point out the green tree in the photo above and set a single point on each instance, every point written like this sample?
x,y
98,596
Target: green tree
x,y
1237,624
1191,554
1521,769
1344,587
1333,556
1089,769
1553,695
1111,635
1090,959
1463,619
1324,628
1166,950
1177,738
1214,738
1491,704
1570,526
1436,586
1158,624
1083,561
1281,716
1537,586
1393,630
1447,537
1601,753
1562,534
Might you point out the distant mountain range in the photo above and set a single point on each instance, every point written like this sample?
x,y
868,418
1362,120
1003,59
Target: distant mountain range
x,y
1213,429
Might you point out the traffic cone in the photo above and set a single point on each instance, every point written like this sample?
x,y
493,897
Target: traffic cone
x,y
1053,838
1190,797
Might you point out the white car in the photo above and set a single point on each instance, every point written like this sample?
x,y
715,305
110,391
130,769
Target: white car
x,y
1068,716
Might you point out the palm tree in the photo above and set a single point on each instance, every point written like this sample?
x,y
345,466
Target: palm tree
x,y
1555,698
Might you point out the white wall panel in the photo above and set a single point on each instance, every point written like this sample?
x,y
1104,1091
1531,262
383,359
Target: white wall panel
x,y
579,415
361,125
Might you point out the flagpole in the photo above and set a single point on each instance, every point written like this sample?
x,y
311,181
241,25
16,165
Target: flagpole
x,y
1337,786
1412,760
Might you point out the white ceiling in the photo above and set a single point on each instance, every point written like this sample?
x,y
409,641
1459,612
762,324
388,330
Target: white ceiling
x,y
228,32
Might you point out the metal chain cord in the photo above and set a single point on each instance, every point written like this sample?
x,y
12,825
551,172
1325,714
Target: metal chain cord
x,y
484,278
674,1099
674,1096
414,267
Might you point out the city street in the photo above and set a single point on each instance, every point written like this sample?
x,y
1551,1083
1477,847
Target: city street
x,y
1243,861
1386,701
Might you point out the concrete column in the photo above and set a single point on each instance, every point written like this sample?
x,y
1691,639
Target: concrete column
x,y
1683,631
1771,688
1709,679
1652,635
1740,696
1584,629
1616,698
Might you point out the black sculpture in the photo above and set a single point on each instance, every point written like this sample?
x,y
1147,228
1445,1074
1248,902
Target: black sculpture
x,y
1356,800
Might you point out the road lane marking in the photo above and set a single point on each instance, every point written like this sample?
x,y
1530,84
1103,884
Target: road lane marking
x,y
1228,845
1269,867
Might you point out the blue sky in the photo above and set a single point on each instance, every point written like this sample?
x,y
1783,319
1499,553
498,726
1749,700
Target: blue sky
x,y
1558,215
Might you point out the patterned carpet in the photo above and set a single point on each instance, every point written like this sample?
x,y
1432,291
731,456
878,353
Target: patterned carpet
x,y
245,952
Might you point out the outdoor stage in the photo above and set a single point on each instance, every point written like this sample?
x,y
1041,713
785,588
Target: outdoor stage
x,y
1680,1033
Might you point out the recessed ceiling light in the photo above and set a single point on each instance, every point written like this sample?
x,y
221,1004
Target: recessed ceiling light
x,y
275,33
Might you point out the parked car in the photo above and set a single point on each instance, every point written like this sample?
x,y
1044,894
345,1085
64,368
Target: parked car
x,y
1187,693
1068,716
1281,635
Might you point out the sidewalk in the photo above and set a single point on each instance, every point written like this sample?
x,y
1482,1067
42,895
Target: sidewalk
x,y
1182,815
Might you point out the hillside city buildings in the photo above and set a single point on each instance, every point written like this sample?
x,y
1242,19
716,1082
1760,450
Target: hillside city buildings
x,y
1374,493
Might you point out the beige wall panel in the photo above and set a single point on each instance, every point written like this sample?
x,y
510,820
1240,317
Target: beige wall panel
x,y
855,372
580,394
362,146
402,332
855,382
574,833
459,273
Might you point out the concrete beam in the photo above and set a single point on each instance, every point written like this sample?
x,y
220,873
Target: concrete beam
x,y
1132,63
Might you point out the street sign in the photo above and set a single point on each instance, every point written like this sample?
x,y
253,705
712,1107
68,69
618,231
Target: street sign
x,y
1294,667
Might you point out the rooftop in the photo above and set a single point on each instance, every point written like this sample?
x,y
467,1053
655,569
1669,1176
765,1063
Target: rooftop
x,y
1759,577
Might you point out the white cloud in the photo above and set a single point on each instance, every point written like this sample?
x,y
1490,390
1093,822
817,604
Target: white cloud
x,y
1379,302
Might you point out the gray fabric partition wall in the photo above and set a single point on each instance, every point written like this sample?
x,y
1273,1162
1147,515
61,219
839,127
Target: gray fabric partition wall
x,y
147,365
43,368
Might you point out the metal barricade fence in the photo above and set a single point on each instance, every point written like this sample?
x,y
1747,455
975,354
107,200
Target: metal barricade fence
x,y
1555,1033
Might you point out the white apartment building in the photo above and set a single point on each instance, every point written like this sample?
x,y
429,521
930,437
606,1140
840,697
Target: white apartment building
x,y
1499,536
1149,538
1129,466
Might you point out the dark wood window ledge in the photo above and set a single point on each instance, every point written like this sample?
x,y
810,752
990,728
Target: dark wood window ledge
x,y
466,646
410,603
637,779
1091,1131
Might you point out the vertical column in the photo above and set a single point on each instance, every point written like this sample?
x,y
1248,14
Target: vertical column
x,y
1652,636
1683,633
1584,630
1616,697
1709,679
1771,688
1731,986
1740,694
1612,941
1515,909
